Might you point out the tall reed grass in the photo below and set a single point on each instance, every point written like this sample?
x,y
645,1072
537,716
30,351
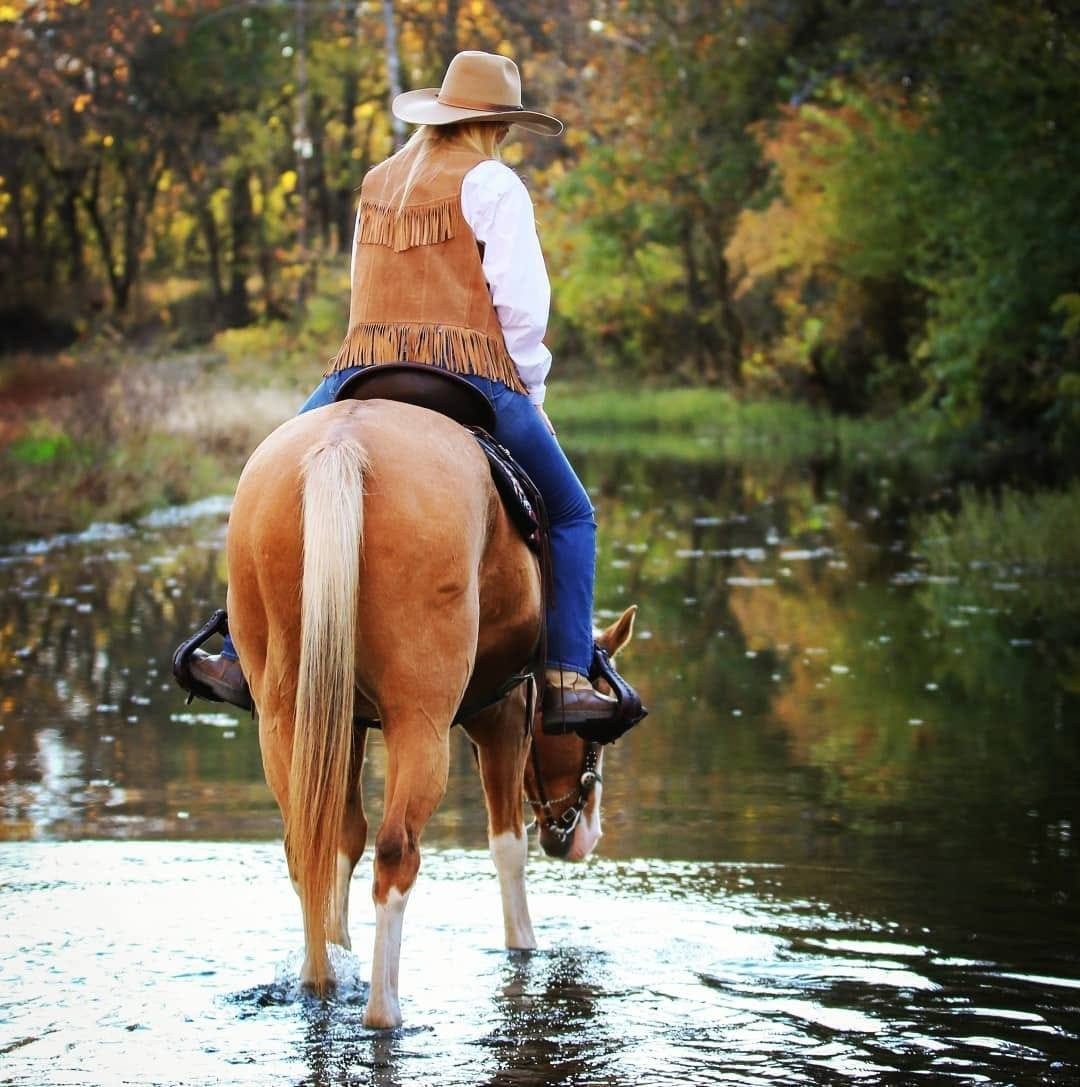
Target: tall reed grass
x,y
1011,533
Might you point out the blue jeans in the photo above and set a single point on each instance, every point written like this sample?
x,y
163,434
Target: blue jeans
x,y
572,519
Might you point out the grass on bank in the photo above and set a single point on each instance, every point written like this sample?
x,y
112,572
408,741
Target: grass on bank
x,y
708,424
111,430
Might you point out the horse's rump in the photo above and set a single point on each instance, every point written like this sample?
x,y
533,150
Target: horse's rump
x,y
437,545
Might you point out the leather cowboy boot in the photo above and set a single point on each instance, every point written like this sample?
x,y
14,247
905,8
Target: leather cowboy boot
x,y
571,701
222,675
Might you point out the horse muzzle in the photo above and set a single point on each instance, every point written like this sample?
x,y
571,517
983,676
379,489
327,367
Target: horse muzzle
x,y
573,836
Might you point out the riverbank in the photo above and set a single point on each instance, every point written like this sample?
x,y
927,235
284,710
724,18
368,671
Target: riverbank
x,y
110,432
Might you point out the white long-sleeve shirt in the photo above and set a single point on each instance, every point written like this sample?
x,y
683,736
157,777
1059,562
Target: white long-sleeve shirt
x,y
499,210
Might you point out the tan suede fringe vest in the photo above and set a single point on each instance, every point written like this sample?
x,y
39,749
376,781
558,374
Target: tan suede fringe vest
x,y
419,293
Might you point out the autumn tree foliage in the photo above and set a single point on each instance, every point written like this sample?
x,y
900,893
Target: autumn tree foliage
x,y
876,206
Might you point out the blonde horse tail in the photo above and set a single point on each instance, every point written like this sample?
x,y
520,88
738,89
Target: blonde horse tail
x,y
333,515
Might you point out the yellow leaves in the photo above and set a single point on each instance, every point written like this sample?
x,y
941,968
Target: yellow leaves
x,y
107,141
219,204
181,228
81,102
9,13
287,181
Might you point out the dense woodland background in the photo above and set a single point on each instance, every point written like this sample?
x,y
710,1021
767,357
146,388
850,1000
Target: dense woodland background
x,y
871,206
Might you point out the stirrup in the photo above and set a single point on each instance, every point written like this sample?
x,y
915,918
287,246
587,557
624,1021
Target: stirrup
x,y
218,623
628,708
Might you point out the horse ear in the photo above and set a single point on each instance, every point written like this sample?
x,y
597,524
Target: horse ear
x,y
619,633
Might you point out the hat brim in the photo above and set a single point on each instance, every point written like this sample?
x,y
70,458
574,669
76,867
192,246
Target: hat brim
x,y
423,108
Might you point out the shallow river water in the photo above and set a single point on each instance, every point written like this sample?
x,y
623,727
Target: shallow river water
x,y
840,849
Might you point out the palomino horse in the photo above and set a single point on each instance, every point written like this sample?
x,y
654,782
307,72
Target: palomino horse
x,y
374,574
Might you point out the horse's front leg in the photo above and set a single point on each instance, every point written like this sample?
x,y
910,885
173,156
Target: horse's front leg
x,y
502,745
351,846
418,761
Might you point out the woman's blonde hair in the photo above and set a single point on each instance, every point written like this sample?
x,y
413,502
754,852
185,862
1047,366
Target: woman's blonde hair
x,y
479,136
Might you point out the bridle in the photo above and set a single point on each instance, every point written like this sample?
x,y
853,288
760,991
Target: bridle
x,y
562,827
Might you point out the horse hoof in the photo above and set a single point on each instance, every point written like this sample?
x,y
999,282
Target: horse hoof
x,y
318,982
382,1018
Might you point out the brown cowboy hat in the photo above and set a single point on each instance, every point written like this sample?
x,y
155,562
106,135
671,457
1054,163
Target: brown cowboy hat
x,y
477,86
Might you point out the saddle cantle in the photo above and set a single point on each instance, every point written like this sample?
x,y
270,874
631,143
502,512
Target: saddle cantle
x,y
426,387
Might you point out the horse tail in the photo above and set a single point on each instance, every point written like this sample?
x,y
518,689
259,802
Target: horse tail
x,y
333,523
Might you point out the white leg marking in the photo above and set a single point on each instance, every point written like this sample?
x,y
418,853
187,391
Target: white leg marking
x,y
382,1007
338,928
509,851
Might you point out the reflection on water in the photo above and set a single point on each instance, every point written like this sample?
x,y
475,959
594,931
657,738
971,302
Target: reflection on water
x,y
135,962
841,847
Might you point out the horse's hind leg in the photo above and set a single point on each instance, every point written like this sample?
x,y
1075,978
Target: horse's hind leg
x,y
353,839
417,765
502,745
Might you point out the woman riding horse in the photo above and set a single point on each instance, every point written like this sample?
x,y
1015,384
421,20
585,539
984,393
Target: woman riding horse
x,y
374,573
447,271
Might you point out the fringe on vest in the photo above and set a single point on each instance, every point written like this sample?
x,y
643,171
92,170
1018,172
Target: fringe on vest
x,y
460,350
406,228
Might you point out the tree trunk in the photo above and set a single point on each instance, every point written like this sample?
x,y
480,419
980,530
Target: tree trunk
x,y
105,240
393,67
69,219
323,198
237,303
212,238
705,346
730,326
449,34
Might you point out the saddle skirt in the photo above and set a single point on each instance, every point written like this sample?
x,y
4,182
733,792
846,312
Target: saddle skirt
x,y
519,495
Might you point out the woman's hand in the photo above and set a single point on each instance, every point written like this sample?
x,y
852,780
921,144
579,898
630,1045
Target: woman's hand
x,y
544,415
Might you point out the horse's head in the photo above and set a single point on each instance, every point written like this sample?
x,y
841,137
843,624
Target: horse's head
x,y
563,776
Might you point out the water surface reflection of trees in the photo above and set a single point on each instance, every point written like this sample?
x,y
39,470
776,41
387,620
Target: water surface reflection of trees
x,y
814,698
